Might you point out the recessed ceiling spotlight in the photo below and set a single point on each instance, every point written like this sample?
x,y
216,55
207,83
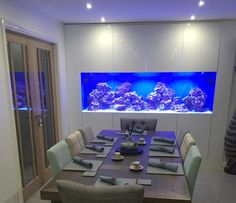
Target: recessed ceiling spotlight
x,y
103,19
192,17
89,6
201,3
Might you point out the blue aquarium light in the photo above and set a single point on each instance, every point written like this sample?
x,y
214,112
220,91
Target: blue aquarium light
x,y
154,92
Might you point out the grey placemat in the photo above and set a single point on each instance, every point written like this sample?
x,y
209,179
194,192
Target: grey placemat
x,y
89,151
105,142
144,181
154,170
164,154
122,181
71,166
153,142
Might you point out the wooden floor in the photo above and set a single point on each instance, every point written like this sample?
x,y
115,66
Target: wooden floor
x,y
213,186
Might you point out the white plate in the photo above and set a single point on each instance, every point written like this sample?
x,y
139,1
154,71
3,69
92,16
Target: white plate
x,y
132,168
117,159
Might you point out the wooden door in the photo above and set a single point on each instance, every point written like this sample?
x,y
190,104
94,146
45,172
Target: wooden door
x,y
31,64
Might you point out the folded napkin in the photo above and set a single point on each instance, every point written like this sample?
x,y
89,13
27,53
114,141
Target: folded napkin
x,y
164,140
82,162
107,179
169,150
95,148
168,166
107,138
138,130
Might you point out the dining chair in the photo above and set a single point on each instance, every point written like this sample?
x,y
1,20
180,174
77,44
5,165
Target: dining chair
x,y
148,124
87,134
191,167
75,143
71,192
181,135
58,156
186,143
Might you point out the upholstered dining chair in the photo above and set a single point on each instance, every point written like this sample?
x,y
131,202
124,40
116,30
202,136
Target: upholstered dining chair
x,y
148,124
75,143
191,167
87,134
71,192
186,143
58,156
181,134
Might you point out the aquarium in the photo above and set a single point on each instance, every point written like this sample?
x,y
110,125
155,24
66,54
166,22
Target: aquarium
x,y
148,92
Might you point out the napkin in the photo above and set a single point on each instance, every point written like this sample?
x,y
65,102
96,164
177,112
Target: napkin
x,y
164,140
138,130
107,179
169,150
82,162
95,148
107,138
168,166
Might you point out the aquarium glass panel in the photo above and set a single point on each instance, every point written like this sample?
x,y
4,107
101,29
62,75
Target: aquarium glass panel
x,y
154,92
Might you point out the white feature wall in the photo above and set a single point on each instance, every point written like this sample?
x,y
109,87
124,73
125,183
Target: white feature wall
x,y
155,47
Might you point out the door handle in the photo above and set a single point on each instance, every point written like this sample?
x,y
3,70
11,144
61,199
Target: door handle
x,y
39,120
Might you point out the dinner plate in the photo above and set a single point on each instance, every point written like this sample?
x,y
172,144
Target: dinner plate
x,y
132,168
117,159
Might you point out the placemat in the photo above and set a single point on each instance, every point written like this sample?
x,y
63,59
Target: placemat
x,y
164,154
122,181
160,171
71,166
153,142
105,142
144,181
89,151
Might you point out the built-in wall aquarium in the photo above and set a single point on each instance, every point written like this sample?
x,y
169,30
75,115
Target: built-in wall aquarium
x,y
148,92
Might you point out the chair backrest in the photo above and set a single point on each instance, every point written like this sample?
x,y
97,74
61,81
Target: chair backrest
x,y
87,134
148,124
58,156
75,143
191,167
71,192
181,135
186,143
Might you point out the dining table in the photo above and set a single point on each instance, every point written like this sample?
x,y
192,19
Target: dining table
x,y
164,188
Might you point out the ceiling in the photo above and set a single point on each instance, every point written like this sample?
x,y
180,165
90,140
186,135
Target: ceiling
x,y
74,11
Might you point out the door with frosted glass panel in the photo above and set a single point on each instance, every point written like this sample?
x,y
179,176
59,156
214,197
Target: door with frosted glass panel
x,y
30,63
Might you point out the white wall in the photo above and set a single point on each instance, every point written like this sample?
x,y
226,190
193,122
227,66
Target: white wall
x,y
202,46
31,22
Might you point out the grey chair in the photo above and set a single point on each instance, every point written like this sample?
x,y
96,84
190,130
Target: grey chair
x,y
191,167
181,135
71,192
148,124
58,156
87,134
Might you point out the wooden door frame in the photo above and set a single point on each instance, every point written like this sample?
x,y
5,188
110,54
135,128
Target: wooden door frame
x,y
17,38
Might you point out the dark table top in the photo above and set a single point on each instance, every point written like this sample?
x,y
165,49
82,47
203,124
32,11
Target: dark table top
x,y
164,188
